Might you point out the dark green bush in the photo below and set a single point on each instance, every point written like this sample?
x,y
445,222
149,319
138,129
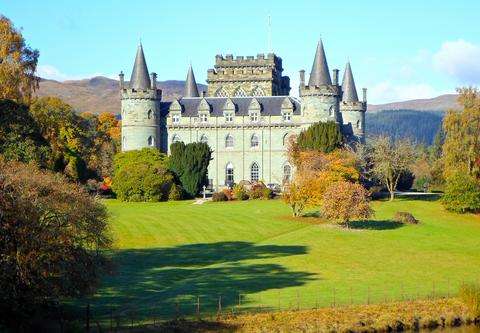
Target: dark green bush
x,y
175,193
470,295
323,136
219,196
462,193
405,218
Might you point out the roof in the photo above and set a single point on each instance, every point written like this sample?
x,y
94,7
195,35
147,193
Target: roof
x,y
191,89
348,86
140,79
270,105
320,74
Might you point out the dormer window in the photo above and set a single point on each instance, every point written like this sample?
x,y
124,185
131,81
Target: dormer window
x,y
287,116
176,118
254,117
228,117
203,118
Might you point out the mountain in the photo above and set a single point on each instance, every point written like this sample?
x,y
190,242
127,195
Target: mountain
x,y
440,103
100,94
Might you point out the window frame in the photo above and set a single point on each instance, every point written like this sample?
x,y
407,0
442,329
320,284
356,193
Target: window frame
x,y
254,172
229,141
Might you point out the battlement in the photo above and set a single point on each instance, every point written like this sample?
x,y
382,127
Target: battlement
x,y
261,60
129,93
325,90
353,106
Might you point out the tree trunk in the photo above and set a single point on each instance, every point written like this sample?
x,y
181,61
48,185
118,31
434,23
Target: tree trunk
x,y
392,195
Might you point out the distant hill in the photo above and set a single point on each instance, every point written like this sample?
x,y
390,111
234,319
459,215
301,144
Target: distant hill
x,y
100,94
440,103
420,127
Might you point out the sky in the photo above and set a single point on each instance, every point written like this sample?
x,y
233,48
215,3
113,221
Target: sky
x,y
399,50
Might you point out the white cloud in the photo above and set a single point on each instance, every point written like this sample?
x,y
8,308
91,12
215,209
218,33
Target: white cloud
x,y
52,73
459,59
386,92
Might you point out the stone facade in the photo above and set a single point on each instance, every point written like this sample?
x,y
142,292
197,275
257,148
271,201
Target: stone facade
x,y
246,130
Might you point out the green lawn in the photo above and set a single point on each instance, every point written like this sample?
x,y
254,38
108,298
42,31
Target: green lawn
x,y
167,254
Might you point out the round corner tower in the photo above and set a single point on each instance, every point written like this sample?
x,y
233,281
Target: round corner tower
x,y
140,107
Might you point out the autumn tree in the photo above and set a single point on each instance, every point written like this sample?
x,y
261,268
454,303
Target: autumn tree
x,y
18,63
390,160
51,236
344,201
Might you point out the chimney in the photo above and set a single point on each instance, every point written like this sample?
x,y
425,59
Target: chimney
x,y
122,81
335,77
302,78
153,79
364,95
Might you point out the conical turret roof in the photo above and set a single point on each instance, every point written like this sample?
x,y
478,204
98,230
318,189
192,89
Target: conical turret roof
x,y
348,86
320,75
140,79
191,89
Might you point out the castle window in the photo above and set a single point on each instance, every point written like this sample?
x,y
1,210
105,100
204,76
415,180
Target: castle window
x,y
254,117
151,141
228,117
254,172
287,173
204,139
358,124
229,179
149,114
229,141
257,91
330,111
175,138
175,118
254,142
287,116
204,118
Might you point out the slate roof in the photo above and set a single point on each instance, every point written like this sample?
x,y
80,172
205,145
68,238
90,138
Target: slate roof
x,y
270,105
348,86
191,89
320,74
140,79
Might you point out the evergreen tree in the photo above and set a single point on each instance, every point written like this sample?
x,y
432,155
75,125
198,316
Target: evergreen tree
x,y
324,137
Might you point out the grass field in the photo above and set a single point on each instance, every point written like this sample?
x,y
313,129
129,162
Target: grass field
x,y
169,253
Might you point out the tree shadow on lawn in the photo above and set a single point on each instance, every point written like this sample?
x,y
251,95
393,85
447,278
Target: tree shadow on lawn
x,y
164,282
375,225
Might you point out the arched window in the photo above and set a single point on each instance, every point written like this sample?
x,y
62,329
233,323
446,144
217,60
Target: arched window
x,y
175,138
229,141
254,172
229,179
254,142
221,92
330,111
358,124
149,114
239,92
204,139
151,141
287,173
257,91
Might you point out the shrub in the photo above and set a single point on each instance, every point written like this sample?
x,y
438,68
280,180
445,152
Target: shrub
x,y
322,136
462,193
470,295
256,191
141,175
175,193
228,192
405,217
267,194
219,196
240,193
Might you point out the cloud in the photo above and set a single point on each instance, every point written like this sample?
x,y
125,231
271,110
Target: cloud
x,y
52,73
386,92
460,60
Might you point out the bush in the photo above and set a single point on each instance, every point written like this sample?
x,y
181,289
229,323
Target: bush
x,y
240,193
462,193
228,192
257,190
405,218
470,295
175,193
142,175
219,196
267,194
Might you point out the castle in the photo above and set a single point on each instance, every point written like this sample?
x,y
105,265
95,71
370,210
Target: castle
x,y
246,115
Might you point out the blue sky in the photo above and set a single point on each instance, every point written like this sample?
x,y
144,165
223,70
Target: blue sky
x,y
398,49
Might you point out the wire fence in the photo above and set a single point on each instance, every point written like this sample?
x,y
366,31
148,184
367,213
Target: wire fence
x,y
140,312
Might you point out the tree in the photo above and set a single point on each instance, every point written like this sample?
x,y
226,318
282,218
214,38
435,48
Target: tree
x,y
142,175
322,136
390,160
18,64
51,234
462,193
190,163
344,201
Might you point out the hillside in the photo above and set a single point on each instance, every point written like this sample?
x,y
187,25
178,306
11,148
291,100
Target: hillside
x,y
439,103
100,94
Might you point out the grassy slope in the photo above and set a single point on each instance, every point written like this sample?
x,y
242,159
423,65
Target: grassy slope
x,y
169,249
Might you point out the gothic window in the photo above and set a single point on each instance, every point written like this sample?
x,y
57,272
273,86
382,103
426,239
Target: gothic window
x,y
330,111
287,173
229,141
151,141
257,91
176,118
204,118
239,92
287,116
254,142
228,117
254,117
204,139
175,138
229,179
254,172
221,92
358,124
149,114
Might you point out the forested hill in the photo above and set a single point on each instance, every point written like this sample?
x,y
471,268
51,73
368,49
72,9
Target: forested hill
x,y
420,127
